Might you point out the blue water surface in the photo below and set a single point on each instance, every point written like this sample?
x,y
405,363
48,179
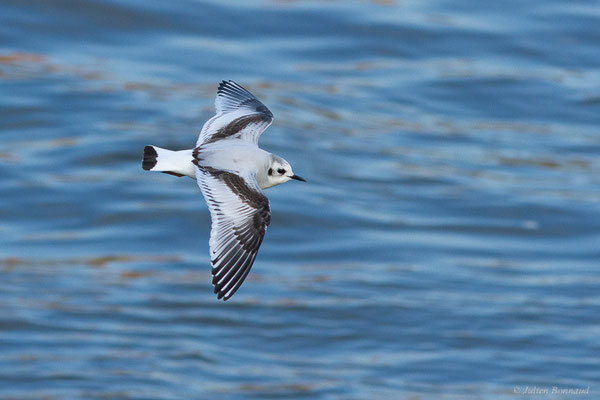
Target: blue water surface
x,y
446,245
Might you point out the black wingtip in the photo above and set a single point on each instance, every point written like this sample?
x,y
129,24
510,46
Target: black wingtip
x,y
224,84
221,294
150,156
233,88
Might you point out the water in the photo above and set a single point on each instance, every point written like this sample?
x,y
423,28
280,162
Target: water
x,y
446,245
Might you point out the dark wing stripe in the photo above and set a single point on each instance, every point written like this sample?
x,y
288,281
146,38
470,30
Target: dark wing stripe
x,y
239,115
240,215
238,185
237,126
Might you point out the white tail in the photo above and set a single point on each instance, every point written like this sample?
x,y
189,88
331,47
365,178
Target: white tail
x,y
178,163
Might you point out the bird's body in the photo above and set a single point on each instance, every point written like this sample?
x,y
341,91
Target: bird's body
x,y
232,172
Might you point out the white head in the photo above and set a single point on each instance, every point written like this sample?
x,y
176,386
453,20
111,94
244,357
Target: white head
x,y
277,172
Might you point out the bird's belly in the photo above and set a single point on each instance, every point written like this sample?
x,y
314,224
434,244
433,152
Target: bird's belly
x,y
232,157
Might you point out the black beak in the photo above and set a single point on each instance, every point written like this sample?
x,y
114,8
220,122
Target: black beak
x,y
296,177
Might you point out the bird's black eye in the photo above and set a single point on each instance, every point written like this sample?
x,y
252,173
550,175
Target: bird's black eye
x,y
270,171
281,171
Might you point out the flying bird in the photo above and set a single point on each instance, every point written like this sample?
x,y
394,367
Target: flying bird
x,y
232,172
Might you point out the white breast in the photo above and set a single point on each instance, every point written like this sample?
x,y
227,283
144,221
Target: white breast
x,y
234,155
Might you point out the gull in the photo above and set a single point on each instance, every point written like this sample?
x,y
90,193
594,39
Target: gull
x,y
232,172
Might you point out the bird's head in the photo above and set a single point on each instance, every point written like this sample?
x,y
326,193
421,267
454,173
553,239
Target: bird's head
x,y
279,171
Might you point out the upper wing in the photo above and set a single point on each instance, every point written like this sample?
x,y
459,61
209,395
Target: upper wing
x,y
239,115
240,215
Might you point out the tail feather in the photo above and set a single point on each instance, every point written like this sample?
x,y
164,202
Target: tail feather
x,y
150,158
177,163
